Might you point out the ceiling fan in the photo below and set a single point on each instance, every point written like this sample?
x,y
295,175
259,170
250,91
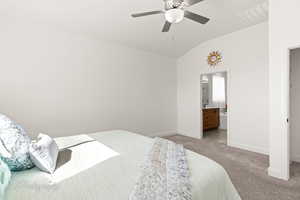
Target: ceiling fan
x,y
174,12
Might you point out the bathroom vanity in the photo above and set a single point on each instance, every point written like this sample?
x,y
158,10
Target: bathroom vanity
x,y
211,118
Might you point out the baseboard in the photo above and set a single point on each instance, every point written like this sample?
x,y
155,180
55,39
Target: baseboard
x,y
249,148
277,174
189,134
164,133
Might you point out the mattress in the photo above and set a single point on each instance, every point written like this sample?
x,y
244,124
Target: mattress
x,y
108,168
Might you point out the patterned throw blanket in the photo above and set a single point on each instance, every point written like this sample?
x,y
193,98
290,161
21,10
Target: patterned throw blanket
x,y
164,174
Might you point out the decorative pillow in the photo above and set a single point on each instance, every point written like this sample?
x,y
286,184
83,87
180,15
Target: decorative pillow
x,y
5,176
43,153
14,145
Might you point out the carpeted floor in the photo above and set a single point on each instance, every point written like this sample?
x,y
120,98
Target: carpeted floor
x,y
247,170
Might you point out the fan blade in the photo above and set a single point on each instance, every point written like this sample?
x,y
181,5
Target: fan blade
x,y
147,13
166,27
192,2
195,17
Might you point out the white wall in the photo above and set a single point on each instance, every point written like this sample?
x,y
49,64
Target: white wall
x,y
295,107
245,57
284,34
62,83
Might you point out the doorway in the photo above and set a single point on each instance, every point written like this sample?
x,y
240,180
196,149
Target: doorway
x,y
214,106
294,111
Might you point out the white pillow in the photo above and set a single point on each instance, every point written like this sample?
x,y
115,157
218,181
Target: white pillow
x,y
43,153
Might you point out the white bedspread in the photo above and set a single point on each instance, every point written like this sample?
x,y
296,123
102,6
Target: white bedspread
x,y
107,169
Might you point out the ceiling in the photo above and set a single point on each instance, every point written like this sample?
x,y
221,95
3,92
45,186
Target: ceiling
x,y
110,20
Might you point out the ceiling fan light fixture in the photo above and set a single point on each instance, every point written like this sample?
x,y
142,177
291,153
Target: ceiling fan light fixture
x,y
174,12
175,15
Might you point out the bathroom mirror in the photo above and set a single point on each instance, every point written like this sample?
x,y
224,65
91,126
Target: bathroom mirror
x,y
214,90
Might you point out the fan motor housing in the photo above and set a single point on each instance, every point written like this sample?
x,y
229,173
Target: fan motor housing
x,y
171,4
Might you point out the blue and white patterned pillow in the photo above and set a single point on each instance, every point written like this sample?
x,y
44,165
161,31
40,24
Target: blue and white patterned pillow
x,y
14,145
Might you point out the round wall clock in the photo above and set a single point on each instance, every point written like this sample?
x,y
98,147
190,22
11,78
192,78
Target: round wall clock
x,y
214,58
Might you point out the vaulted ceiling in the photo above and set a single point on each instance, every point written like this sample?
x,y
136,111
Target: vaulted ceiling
x,y
111,20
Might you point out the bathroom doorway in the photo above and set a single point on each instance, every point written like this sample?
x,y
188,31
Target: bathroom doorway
x,y
214,106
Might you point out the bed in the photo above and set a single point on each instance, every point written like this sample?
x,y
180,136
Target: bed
x,y
107,169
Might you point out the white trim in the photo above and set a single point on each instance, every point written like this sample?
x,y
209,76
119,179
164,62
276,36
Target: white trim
x,y
277,173
249,148
188,134
164,133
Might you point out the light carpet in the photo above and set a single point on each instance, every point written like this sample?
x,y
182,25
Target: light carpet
x,y
247,170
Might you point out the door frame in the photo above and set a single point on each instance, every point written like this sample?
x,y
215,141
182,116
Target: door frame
x,y
228,101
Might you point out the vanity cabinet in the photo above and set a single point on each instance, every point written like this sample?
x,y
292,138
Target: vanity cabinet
x,y
211,118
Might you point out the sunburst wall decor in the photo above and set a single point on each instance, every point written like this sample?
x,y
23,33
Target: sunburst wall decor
x,y
214,58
